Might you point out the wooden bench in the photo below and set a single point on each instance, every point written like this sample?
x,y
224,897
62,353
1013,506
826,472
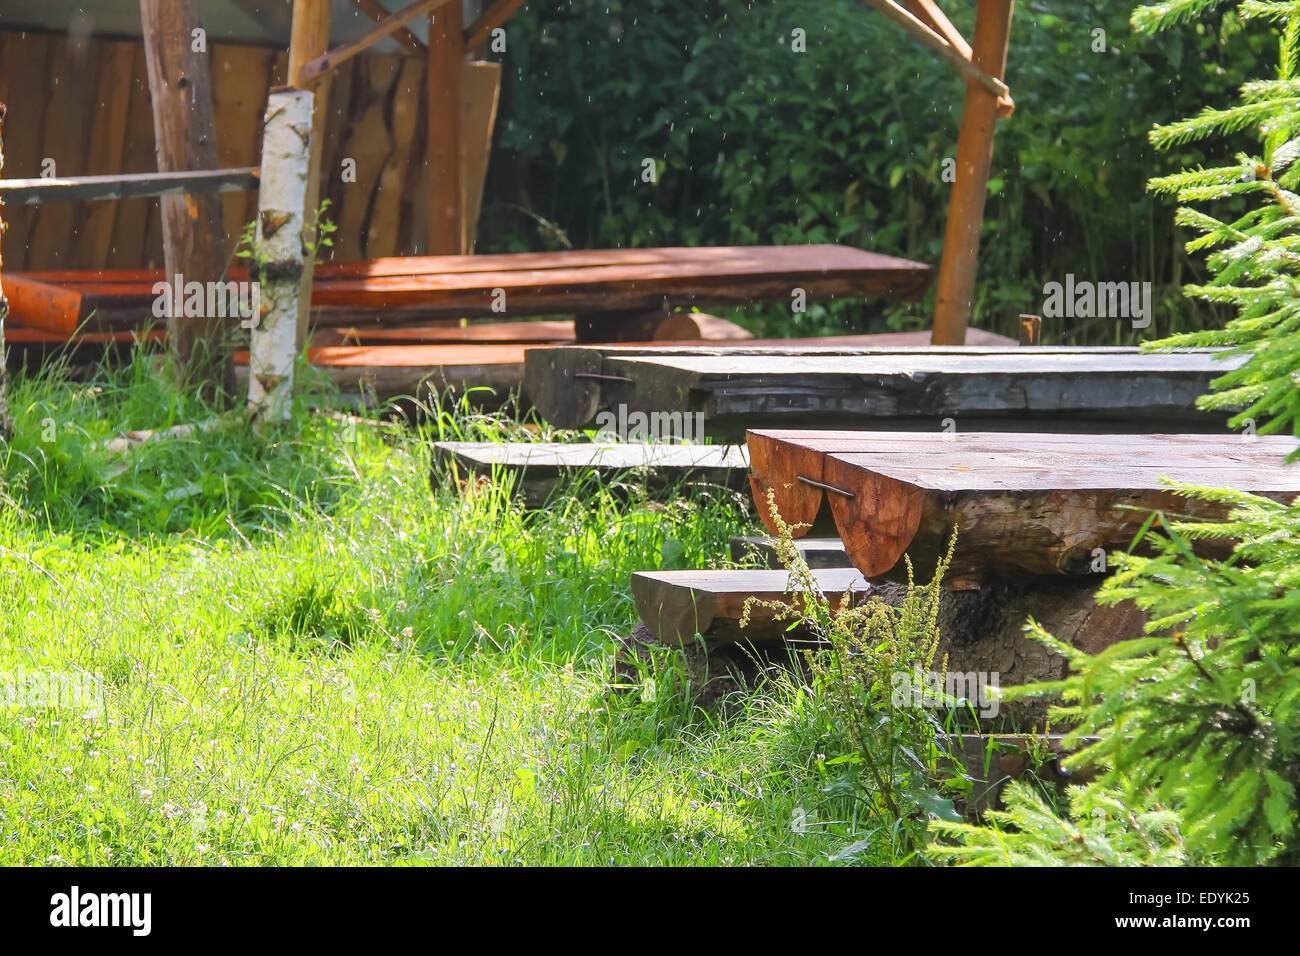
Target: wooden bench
x,y
615,294
1042,388
540,468
1044,504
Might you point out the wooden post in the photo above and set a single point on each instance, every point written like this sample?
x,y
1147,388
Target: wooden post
x,y
446,203
6,427
286,217
180,90
310,38
952,307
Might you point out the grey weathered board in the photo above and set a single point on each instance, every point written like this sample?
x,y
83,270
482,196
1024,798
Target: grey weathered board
x,y
541,467
677,605
989,389
816,552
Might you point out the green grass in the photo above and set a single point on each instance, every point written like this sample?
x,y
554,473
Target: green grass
x,y
310,656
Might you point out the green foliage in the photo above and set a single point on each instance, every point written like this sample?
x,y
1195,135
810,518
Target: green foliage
x,y
1102,830
893,754
1254,256
1201,716
755,143
364,670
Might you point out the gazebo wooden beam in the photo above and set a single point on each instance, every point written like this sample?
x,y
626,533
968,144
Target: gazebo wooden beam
x,y
307,74
979,116
404,36
446,224
496,14
929,13
932,29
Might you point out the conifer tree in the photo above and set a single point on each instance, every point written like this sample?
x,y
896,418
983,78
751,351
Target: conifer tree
x,y
1199,720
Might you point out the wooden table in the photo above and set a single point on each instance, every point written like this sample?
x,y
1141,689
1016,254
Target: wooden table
x,y
616,294
1022,502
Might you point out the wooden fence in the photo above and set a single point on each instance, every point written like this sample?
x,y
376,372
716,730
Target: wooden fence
x,y
85,107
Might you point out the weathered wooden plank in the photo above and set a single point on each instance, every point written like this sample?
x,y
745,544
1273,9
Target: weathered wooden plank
x,y
737,278
24,192
1037,504
63,142
538,469
23,67
137,227
677,605
903,388
107,140
241,78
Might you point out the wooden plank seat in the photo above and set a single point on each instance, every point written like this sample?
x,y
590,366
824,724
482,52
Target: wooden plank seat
x,y
1062,389
541,467
615,293
677,605
1044,504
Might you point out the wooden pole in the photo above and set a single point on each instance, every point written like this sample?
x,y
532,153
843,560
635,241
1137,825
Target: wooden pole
x,y
286,217
180,89
446,203
309,38
952,307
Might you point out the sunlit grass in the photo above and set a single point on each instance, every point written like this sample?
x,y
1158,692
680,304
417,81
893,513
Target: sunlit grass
x,y
312,656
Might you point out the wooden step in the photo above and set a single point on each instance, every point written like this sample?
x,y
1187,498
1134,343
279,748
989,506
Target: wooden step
x,y
677,605
1036,503
816,552
540,468
1064,389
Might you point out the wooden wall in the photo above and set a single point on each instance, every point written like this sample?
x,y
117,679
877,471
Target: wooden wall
x,y
86,106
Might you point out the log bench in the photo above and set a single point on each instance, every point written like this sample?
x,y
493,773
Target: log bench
x,y
916,389
614,294
1038,504
697,615
540,468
